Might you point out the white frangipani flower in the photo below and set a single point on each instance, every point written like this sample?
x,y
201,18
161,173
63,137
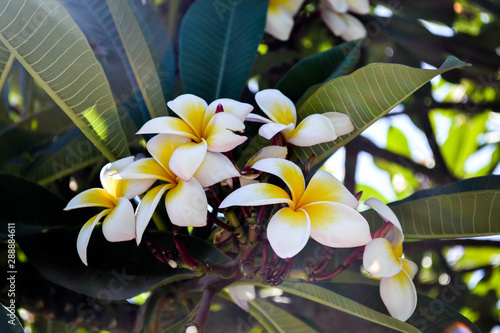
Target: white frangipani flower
x,y
384,257
185,201
209,128
334,14
325,210
241,295
312,130
119,222
280,13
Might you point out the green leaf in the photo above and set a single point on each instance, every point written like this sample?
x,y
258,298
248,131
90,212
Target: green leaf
x,y
319,68
397,142
263,63
6,62
275,319
218,45
139,56
431,314
365,96
9,322
55,52
69,153
462,209
32,208
31,132
331,299
462,140
116,271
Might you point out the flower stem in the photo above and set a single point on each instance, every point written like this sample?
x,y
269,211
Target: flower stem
x,y
352,257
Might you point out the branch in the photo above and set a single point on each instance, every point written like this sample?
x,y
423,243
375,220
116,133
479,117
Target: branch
x,y
368,146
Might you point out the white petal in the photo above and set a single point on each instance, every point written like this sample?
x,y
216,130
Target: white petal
x,y
339,6
410,267
119,225
268,152
162,146
288,171
288,232
313,130
336,225
334,22
355,29
109,169
379,258
340,121
94,197
147,207
238,109
168,125
187,204
187,159
396,237
399,295
267,131
256,195
84,235
191,109
220,135
258,119
323,186
279,23
361,7
215,168
241,295
130,188
279,108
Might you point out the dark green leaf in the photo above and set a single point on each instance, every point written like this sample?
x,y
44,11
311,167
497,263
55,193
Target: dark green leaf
x,y
8,321
365,96
116,270
218,45
32,208
316,293
463,209
431,315
319,68
57,55
275,319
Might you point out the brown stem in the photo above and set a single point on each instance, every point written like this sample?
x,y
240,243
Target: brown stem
x,y
219,223
352,257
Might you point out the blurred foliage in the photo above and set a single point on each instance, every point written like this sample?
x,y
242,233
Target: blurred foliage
x,y
458,114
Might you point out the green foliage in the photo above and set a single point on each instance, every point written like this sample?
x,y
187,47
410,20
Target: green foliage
x,y
112,65
83,92
218,43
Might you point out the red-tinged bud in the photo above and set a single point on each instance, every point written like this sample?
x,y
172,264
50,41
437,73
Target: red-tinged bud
x,y
219,108
358,195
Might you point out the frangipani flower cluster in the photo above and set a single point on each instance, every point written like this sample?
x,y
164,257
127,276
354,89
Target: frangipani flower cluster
x,y
192,153
383,257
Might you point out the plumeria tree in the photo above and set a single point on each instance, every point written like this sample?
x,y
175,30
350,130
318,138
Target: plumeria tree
x,y
168,166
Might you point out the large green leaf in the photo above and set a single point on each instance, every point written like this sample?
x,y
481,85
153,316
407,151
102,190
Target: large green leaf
x,y
275,319
32,208
69,153
318,69
49,44
431,315
30,132
218,44
8,321
6,62
365,96
334,300
463,209
139,56
116,270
